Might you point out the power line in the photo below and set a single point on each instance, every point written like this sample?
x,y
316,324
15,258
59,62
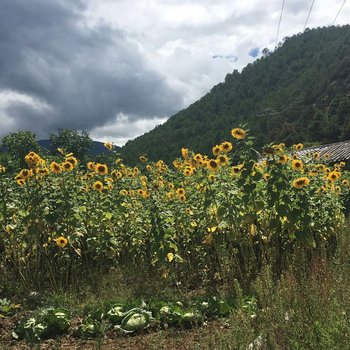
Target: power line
x,y
308,15
341,7
279,24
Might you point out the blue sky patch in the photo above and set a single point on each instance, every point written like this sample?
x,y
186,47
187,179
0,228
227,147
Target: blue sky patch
x,y
254,52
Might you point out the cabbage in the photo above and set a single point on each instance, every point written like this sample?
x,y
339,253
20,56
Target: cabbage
x,y
135,320
191,318
116,314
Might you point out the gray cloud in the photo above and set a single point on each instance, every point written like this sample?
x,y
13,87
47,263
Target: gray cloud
x,y
83,76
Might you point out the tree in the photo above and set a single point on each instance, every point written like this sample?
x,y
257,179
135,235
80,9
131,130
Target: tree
x,y
72,140
17,145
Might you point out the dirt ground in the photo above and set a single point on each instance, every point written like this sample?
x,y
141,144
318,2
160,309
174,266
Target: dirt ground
x,y
197,338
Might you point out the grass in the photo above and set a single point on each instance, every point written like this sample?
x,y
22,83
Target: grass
x,y
308,307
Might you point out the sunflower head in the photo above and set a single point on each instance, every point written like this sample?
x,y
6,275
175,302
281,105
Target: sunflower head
x,y
226,147
298,147
184,153
72,160
61,241
55,168
301,182
182,198
333,176
101,169
143,159
24,173
212,164
283,159
238,133
21,182
222,159
108,145
67,166
188,171
97,186
180,191
216,150
297,164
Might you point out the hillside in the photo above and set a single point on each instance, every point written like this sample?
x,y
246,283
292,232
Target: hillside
x,y
298,93
96,148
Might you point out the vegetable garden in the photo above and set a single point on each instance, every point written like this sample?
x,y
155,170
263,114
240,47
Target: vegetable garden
x,y
204,223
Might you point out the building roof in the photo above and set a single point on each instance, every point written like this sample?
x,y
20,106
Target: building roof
x,y
337,152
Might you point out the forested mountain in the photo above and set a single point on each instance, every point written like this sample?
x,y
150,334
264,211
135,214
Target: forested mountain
x,y
298,93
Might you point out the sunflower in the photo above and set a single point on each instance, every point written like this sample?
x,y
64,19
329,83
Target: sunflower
x,y
98,186
312,173
141,192
301,182
226,147
24,173
279,148
118,174
108,145
333,176
182,198
188,171
326,156
345,183
198,158
180,191
316,156
21,182
73,161
322,189
61,241
55,168
236,170
320,167
184,153
238,133
91,166
42,171
222,159
89,176
212,165
202,163
101,169
211,177
123,192
216,150
283,159
2,169
266,176
297,164
298,147
67,166
143,159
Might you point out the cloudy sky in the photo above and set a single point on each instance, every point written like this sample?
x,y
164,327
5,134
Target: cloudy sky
x,y
117,68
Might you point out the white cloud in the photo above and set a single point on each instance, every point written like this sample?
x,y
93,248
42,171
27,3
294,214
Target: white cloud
x,y
158,52
123,129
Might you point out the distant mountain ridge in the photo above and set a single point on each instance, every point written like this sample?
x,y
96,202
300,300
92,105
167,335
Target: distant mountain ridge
x,y
298,93
96,148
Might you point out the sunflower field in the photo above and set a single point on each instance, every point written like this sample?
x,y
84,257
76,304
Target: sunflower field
x,y
204,219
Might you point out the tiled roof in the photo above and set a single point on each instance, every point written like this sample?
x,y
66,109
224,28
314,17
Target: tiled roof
x,y
338,152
